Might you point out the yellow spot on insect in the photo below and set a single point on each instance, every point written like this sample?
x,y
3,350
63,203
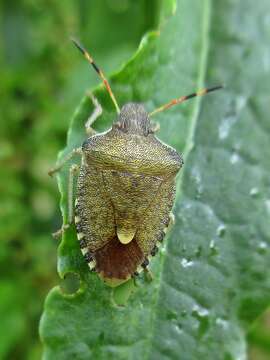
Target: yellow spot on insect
x,y
80,236
77,219
84,251
92,264
125,236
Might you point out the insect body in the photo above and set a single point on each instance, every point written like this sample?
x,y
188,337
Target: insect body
x,y
125,194
125,191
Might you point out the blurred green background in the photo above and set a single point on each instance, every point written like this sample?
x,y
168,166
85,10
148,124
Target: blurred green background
x,y
43,79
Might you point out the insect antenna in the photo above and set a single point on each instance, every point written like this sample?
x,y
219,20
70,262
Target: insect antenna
x,y
184,98
98,70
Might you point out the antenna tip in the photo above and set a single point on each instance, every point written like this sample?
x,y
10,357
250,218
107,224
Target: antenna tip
x,y
217,87
214,88
77,44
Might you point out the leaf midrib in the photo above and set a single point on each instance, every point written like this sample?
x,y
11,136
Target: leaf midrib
x,y
206,16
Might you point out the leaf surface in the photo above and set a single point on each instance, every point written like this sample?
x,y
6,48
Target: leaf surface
x,y
212,279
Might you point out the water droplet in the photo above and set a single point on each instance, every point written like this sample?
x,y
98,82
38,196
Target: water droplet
x,y
186,263
240,103
224,127
241,357
162,250
186,206
213,249
234,158
221,230
201,315
223,323
262,247
200,311
226,124
178,328
254,192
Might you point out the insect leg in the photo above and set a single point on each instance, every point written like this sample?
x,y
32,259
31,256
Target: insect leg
x,y
77,151
72,172
172,219
148,275
95,114
57,234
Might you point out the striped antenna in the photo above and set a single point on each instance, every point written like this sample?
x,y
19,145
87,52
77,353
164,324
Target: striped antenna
x,y
98,70
184,98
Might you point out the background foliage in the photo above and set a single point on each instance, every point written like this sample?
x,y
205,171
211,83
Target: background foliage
x,y
43,80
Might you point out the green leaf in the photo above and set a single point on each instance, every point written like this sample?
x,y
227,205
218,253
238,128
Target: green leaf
x,y
259,337
212,280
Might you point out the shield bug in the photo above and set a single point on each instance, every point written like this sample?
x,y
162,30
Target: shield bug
x,y
125,189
